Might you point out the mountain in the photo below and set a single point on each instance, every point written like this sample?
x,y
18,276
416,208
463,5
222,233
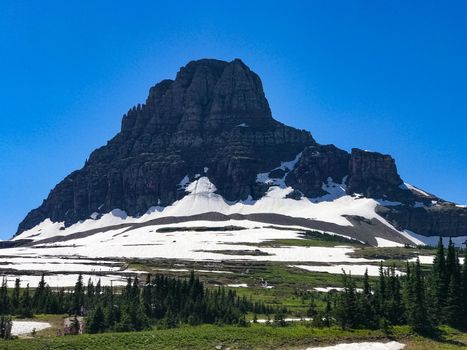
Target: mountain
x,y
206,147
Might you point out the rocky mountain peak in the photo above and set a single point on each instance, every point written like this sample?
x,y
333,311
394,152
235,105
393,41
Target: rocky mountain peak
x,y
213,120
206,95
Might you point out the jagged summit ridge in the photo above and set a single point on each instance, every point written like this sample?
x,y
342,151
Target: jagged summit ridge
x,y
214,120
213,115
205,95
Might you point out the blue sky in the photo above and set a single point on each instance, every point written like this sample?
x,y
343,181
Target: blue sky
x,y
389,76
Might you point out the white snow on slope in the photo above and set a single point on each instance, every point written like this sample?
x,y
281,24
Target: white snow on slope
x,y
202,199
145,242
285,166
334,190
406,186
65,280
382,242
26,327
412,236
363,346
184,182
356,270
57,264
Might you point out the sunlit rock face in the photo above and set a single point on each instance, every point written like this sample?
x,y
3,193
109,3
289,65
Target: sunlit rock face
x,y
214,120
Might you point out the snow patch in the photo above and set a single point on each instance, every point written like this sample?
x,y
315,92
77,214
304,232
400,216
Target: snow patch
x,y
330,289
285,166
26,327
387,243
239,285
406,186
356,270
334,190
184,182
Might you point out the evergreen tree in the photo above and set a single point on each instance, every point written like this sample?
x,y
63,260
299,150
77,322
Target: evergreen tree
x,y
367,309
95,323
39,296
4,299
347,311
26,304
15,300
147,296
453,311
417,315
78,296
464,289
438,292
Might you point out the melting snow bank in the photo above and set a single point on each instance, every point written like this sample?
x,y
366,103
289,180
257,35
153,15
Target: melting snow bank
x,y
239,285
26,327
363,346
334,208
356,270
387,243
65,280
264,320
332,289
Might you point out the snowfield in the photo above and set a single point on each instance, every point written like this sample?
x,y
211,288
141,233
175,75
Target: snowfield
x,y
58,265
65,280
26,327
356,270
332,208
227,231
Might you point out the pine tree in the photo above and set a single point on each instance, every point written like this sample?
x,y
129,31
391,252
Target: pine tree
x,y
4,299
464,289
78,296
347,307
90,291
15,300
367,309
39,296
147,296
440,284
95,323
26,304
98,288
453,308
417,315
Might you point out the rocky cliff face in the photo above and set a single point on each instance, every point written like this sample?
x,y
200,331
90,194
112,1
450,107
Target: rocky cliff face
x,y
215,120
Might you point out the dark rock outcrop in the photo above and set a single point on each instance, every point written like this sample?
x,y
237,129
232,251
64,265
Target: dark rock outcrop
x,y
316,165
445,218
214,119
372,174
213,116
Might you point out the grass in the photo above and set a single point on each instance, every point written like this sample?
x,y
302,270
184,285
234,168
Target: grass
x,y
296,336
391,253
306,242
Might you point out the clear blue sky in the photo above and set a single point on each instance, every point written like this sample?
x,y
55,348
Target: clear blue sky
x,y
389,76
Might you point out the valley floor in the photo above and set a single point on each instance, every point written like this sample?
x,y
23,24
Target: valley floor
x,y
256,336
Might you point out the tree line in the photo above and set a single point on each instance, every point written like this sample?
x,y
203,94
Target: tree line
x,y
160,300
421,299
